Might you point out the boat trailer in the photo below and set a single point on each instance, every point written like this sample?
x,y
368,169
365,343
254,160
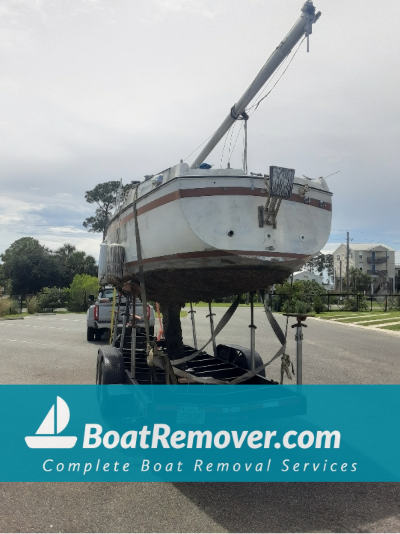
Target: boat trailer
x,y
137,358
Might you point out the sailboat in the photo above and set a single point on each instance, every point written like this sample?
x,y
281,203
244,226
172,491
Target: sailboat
x,y
199,233
53,424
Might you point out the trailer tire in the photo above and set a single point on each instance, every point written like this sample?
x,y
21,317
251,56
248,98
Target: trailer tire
x,y
110,370
90,333
240,356
110,366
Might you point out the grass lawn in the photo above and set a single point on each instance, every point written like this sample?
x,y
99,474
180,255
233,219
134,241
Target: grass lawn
x,y
183,313
14,316
392,327
220,305
365,318
339,316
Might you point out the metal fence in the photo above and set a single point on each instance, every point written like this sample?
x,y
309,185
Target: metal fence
x,y
334,302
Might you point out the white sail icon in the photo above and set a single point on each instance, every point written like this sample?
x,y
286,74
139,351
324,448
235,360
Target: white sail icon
x,y
55,421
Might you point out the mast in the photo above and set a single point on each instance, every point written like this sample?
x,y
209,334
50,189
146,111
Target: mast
x,y
303,26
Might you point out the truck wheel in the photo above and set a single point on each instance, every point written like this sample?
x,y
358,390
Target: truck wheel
x,y
98,334
90,333
151,331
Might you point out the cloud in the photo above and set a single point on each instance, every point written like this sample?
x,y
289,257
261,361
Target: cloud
x,y
205,8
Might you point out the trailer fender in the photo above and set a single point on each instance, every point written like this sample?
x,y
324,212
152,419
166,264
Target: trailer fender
x,y
240,356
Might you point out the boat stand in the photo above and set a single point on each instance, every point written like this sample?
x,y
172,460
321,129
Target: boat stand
x,y
211,315
133,339
193,326
253,328
125,320
116,317
299,343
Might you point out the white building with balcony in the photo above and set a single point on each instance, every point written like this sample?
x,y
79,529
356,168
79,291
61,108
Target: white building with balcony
x,y
374,259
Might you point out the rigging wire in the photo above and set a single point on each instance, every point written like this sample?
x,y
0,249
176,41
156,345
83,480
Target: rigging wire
x,y
256,104
247,92
231,154
325,177
230,141
201,144
223,148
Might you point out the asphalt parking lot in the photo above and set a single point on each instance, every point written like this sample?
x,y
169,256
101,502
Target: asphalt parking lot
x,y
53,350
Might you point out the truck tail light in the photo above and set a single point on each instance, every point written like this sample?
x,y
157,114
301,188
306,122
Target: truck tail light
x,y
148,311
96,313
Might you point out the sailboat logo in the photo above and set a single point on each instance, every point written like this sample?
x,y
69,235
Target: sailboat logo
x,y
55,421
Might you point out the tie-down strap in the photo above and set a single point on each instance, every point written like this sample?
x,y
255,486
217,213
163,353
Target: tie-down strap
x,y
246,376
223,322
238,380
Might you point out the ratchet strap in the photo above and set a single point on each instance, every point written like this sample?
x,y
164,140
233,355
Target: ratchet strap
x,y
141,278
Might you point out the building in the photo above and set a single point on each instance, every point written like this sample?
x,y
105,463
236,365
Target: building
x,y
306,275
374,259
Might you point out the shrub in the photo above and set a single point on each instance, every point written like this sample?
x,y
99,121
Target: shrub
x,y
290,306
8,306
302,307
50,298
318,305
350,304
31,304
82,286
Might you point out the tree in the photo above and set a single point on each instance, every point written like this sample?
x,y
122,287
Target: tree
x,y
5,283
319,263
82,286
72,262
359,281
29,266
50,298
105,196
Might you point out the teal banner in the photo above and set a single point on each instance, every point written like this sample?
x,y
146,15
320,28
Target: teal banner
x,y
200,433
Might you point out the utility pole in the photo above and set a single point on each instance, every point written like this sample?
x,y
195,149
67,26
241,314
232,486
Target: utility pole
x,y
347,263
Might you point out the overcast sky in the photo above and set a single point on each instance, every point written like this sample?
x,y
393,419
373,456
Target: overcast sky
x,y
98,90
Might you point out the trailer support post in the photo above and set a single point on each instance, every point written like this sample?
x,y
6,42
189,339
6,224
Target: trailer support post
x,y
193,326
124,321
133,339
210,315
116,317
252,327
299,352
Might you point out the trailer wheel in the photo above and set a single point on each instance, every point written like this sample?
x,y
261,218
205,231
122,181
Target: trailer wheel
x,y
110,370
110,366
90,333
240,356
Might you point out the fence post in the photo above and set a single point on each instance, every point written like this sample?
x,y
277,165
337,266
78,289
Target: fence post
x,y
358,302
386,303
328,304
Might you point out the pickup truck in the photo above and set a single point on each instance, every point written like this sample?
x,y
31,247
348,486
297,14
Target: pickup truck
x,y
98,317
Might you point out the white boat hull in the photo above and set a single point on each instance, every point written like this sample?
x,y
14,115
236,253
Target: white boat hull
x,y
201,238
